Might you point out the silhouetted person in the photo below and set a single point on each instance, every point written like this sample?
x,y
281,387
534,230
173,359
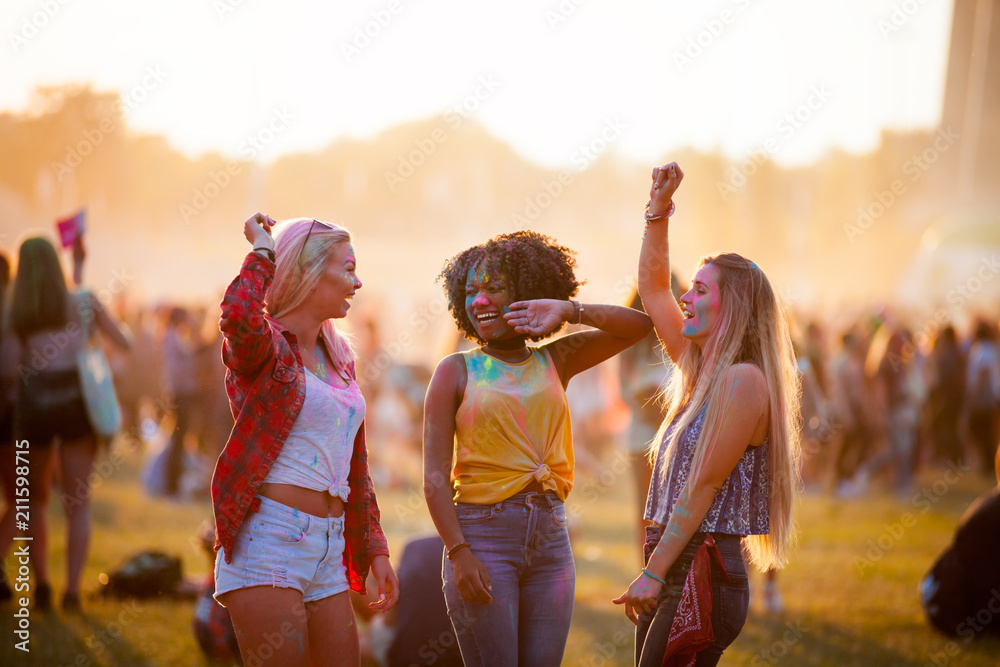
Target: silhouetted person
x,y
52,325
983,392
961,593
947,372
181,385
422,631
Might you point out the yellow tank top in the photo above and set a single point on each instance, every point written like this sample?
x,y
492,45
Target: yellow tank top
x,y
512,427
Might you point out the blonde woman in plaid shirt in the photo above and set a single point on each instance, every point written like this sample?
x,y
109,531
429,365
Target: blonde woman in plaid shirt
x,y
297,522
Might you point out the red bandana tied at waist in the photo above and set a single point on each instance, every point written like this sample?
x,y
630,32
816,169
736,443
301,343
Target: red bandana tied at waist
x,y
691,630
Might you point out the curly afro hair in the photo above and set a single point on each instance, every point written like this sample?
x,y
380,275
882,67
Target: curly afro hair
x,y
534,266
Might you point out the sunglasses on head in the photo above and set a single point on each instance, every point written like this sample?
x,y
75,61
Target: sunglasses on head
x,y
308,234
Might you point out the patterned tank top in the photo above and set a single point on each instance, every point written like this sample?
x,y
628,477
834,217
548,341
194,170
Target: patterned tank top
x,y
741,506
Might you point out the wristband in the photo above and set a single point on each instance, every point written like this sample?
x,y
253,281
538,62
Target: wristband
x,y
579,312
653,576
457,547
269,251
662,216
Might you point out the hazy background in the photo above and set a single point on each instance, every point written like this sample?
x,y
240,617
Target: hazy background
x,y
816,139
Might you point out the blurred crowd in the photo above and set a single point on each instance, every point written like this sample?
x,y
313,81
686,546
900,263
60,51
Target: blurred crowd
x,y
878,404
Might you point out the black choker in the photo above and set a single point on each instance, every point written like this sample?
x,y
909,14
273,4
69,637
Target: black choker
x,y
515,343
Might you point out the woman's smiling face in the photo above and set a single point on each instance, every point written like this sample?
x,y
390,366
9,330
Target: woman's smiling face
x,y
487,298
702,305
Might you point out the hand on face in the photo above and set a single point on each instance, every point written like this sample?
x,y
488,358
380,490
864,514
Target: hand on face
x,y
538,317
666,180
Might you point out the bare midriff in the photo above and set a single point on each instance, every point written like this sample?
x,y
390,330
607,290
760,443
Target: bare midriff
x,y
316,503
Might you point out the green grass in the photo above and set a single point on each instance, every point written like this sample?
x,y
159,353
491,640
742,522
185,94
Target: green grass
x,y
839,610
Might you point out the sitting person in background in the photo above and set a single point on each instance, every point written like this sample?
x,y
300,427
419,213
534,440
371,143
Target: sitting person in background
x,y
417,631
961,593
212,626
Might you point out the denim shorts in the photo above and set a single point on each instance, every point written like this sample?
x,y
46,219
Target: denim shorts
x,y
50,404
283,547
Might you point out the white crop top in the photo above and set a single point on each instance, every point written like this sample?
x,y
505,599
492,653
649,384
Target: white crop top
x,y
317,453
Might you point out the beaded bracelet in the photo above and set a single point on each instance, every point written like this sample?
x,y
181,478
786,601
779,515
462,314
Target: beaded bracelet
x,y
662,216
457,547
653,576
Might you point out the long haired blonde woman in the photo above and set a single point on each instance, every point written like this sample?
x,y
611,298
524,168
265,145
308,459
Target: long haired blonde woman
x,y
296,519
725,458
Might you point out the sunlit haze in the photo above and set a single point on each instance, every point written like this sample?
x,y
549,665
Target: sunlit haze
x,y
709,74
815,138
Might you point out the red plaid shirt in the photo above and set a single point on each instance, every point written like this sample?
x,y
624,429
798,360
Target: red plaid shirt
x,y
266,384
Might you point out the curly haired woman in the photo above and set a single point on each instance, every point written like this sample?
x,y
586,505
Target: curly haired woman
x,y
499,411
726,454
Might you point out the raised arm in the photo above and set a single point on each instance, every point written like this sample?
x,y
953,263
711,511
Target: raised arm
x,y
246,335
745,419
654,264
616,328
444,395
118,334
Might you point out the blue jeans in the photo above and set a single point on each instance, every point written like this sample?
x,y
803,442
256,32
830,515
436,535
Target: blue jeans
x,y
523,543
729,601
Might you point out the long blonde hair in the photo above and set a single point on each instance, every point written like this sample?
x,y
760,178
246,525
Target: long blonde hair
x,y
752,329
298,268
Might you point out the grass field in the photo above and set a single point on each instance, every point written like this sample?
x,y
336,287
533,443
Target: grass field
x,y
850,592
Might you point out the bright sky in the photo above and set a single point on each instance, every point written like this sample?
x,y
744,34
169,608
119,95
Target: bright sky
x,y
546,76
